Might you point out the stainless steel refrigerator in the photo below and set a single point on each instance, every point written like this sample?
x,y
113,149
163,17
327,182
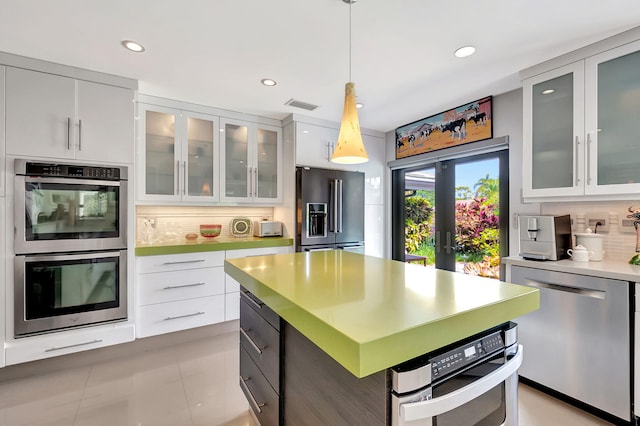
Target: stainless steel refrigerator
x,y
329,210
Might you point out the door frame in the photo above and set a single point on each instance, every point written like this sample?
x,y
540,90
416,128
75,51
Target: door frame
x,y
400,167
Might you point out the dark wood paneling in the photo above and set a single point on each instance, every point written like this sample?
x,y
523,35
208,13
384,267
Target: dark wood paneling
x,y
319,391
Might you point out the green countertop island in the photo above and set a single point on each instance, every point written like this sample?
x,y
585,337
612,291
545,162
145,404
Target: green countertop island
x,y
369,313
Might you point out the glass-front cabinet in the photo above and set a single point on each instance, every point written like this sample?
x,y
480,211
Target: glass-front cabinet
x,y
180,155
252,162
579,127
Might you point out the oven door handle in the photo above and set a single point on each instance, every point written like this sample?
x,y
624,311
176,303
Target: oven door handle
x,y
434,407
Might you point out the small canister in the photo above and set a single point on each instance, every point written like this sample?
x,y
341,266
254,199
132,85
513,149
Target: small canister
x,y
592,242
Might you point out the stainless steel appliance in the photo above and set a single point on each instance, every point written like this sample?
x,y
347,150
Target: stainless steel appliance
x,y
65,207
544,237
53,292
267,228
70,241
472,382
330,210
578,342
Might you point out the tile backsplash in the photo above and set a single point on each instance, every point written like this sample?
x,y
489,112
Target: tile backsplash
x,y
171,222
619,239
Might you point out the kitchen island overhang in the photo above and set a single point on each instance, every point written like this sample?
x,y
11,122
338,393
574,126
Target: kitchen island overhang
x,y
369,313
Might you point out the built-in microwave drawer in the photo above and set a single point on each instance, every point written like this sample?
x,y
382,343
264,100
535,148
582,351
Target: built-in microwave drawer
x,y
179,285
262,343
264,401
175,316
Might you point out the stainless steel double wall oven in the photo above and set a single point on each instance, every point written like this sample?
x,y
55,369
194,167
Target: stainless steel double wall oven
x,y
70,241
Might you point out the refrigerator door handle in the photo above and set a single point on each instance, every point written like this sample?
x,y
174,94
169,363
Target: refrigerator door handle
x,y
339,205
333,217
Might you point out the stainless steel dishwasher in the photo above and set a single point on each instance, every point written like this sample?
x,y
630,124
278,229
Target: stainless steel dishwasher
x,y
578,342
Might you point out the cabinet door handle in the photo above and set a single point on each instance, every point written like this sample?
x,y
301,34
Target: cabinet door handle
x,y
195,314
184,178
68,133
588,159
179,262
177,177
171,287
255,181
79,135
59,348
253,343
251,397
250,299
577,158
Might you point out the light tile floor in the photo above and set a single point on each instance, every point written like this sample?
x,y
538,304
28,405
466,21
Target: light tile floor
x,y
194,382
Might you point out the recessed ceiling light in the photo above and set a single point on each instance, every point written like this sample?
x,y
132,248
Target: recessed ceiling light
x,y
133,46
465,51
359,105
548,91
268,82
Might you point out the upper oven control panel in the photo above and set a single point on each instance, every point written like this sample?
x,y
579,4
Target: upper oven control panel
x,y
72,171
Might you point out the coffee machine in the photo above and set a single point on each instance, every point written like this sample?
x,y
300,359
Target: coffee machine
x,y
544,237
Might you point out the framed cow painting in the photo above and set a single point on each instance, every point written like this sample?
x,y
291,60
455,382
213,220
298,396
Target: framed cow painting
x,y
467,123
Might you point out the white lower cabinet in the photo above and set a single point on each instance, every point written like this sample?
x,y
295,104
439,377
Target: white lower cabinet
x,y
232,287
185,291
66,342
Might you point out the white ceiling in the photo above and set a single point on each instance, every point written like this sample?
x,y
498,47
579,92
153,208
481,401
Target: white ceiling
x,y
215,52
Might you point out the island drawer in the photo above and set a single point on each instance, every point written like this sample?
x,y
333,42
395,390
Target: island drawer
x,y
263,310
262,343
264,401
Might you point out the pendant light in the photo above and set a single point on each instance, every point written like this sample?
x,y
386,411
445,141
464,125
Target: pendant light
x,y
350,148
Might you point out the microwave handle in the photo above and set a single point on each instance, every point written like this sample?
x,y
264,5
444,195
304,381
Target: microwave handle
x,y
434,407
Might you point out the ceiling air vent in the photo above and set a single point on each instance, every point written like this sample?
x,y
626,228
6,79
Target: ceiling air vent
x,y
309,107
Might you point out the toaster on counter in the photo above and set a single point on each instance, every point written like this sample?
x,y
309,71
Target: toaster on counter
x,y
267,228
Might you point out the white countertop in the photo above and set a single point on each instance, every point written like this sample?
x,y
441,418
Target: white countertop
x,y
613,269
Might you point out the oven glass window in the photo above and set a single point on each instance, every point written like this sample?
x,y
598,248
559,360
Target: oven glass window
x,y
488,409
70,211
70,286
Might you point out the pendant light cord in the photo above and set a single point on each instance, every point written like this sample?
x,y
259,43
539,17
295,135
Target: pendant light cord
x,y
350,4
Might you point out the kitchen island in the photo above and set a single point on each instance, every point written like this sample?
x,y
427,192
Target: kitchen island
x,y
341,320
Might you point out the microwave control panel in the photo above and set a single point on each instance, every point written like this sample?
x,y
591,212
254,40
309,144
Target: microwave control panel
x,y
464,355
72,171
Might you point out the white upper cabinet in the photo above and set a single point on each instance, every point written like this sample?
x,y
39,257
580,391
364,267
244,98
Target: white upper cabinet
x,y
315,145
251,169
178,155
612,115
60,117
579,128
2,133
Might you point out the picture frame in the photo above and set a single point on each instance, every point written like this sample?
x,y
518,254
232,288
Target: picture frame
x,y
471,122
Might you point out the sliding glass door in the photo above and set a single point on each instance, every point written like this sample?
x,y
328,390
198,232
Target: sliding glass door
x,y
453,214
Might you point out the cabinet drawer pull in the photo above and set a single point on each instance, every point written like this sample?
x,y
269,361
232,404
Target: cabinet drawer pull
x,y
171,287
183,261
244,386
59,348
255,346
183,316
250,299
596,294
